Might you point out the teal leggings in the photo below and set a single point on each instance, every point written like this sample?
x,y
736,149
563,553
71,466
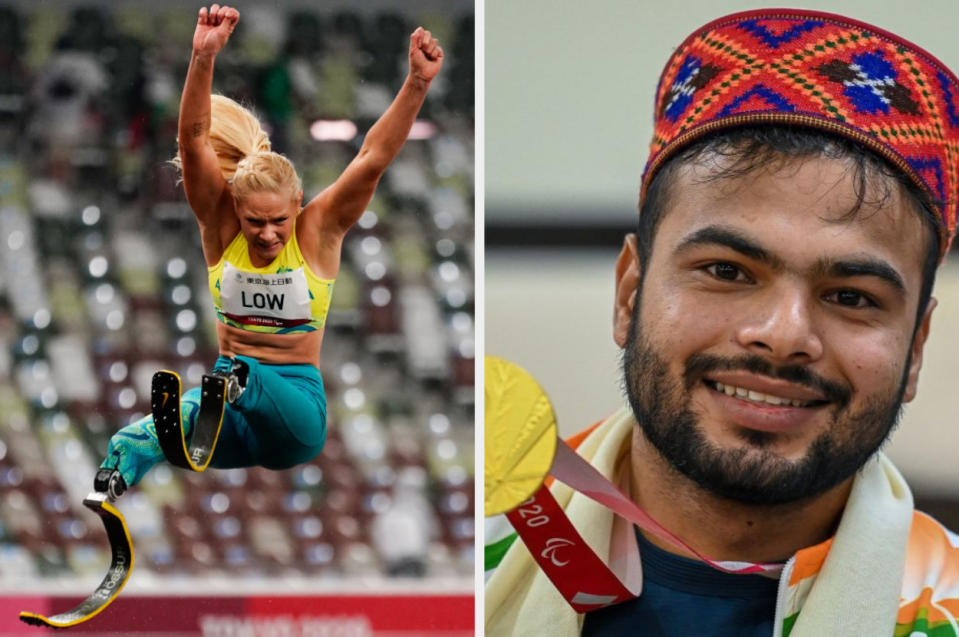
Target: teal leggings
x,y
278,422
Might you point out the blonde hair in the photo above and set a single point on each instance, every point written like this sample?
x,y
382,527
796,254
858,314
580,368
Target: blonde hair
x,y
243,150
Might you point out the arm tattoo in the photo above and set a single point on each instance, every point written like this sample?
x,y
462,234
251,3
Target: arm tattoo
x,y
199,128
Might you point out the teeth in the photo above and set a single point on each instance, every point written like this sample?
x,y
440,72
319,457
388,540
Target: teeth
x,y
757,397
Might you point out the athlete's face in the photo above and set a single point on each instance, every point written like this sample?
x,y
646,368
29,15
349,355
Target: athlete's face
x,y
772,344
266,221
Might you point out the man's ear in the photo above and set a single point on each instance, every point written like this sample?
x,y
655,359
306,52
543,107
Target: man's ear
x,y
918,344
627,283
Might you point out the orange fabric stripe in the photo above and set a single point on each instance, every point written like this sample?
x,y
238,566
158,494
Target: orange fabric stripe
x,y
928,544
809,561
908,613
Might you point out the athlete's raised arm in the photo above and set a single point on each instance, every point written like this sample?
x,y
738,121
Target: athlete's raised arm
x,y
337,208
203,181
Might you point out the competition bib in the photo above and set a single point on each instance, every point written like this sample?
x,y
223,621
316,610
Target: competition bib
x,y
272,300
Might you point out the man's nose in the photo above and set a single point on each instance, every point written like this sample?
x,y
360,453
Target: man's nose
x,y
782,326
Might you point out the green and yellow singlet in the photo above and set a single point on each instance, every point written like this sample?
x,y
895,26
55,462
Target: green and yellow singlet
x,y
281,298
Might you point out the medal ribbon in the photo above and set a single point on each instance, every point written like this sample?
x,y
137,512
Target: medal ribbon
x,y
586,581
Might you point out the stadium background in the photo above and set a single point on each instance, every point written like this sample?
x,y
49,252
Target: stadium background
x,y
103,283
563,157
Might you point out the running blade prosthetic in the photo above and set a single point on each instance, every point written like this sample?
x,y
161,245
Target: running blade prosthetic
x,y
107,487
165,404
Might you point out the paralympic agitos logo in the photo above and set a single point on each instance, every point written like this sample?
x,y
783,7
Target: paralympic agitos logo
x,y
553,545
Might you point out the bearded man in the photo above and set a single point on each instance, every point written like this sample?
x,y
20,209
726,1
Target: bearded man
x,y
772,310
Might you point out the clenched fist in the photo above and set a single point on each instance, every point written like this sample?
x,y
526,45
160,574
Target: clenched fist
x,y
213,29
426,55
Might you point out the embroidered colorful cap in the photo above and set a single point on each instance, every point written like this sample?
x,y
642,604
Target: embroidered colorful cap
x,y
818,70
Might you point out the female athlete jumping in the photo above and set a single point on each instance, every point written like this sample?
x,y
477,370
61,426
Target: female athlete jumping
x,y
272,263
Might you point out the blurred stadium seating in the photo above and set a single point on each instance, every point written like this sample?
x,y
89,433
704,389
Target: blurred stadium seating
x,y
103,283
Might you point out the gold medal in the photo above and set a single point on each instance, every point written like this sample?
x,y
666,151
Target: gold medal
x,y
520,436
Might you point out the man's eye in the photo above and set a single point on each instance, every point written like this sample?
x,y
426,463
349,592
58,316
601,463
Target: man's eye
x,y
725,271
851,298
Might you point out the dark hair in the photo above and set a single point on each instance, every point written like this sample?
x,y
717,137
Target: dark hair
x,y
754,147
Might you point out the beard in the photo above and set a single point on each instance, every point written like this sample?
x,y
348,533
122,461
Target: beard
x,y
751,473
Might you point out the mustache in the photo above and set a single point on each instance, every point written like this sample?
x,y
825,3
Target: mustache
x,y
698,365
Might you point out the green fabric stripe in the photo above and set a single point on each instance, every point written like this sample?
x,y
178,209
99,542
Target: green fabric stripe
x,y
922,626
788,624
494,552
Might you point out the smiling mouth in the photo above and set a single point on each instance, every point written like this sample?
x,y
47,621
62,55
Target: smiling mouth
x,y
759,398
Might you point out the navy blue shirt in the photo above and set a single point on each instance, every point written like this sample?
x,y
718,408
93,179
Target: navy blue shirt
x,y
683,597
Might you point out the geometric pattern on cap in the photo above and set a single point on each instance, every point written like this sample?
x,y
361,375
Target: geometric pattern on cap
x,y
818,70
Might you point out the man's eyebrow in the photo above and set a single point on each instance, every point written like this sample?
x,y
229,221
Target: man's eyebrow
x,y
862,266
732,239
739,242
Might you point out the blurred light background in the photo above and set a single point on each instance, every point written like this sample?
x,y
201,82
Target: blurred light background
x,y
102,282
569,94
